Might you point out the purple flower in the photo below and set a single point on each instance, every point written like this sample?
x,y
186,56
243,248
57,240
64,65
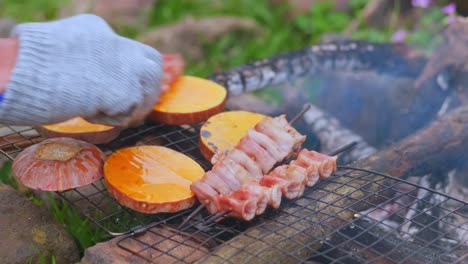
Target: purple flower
x,y
421,3
399,36
449,9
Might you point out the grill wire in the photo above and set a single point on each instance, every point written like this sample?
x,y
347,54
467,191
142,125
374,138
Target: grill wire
x,y
364,239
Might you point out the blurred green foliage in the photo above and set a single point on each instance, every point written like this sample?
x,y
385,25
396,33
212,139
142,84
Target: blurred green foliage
x,y
6,177
31,10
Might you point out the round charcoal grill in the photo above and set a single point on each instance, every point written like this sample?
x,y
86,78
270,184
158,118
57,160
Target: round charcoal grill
x,y
346,234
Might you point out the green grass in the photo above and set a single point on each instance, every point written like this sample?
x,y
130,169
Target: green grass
x,y
6,177
280,34
84,233
31,10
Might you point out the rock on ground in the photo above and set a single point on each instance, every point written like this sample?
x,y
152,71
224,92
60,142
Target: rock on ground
x,y
29,232
172,247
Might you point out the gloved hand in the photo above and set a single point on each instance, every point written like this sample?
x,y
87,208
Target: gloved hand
x,y
79,67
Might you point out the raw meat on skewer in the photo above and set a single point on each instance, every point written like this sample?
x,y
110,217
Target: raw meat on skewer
x,y
247,188
251,156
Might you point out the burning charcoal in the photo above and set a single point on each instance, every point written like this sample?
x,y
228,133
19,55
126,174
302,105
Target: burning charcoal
x,y
423,213
361,242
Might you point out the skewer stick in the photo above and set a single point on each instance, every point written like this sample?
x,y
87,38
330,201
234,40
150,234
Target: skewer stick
x,y
344,148
215,217
191,215
201,206
300,114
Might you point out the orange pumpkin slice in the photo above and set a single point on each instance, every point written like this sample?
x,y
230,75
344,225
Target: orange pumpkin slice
x,y
223,131
189,100
80,129
59,164
151,179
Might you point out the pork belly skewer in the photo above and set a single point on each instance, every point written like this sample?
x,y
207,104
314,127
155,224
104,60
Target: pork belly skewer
x,y
267,133
248,160
275,134
291,178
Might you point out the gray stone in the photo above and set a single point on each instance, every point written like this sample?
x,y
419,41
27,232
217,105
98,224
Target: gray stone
x,y
170,246
30,233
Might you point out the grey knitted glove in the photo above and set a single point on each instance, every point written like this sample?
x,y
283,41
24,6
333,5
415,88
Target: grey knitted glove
x,y
79,67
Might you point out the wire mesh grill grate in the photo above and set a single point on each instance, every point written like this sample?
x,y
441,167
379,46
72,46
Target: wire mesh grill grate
x,y
406,228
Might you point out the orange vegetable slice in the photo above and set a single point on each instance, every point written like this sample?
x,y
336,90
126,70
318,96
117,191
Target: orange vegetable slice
x,y
151,179
59,164
80,129
189,100
223,131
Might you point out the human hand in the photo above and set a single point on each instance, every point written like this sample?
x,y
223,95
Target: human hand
x,y
80,67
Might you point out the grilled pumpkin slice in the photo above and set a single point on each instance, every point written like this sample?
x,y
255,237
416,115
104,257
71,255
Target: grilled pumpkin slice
x,y
151,179
80,129
189,100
